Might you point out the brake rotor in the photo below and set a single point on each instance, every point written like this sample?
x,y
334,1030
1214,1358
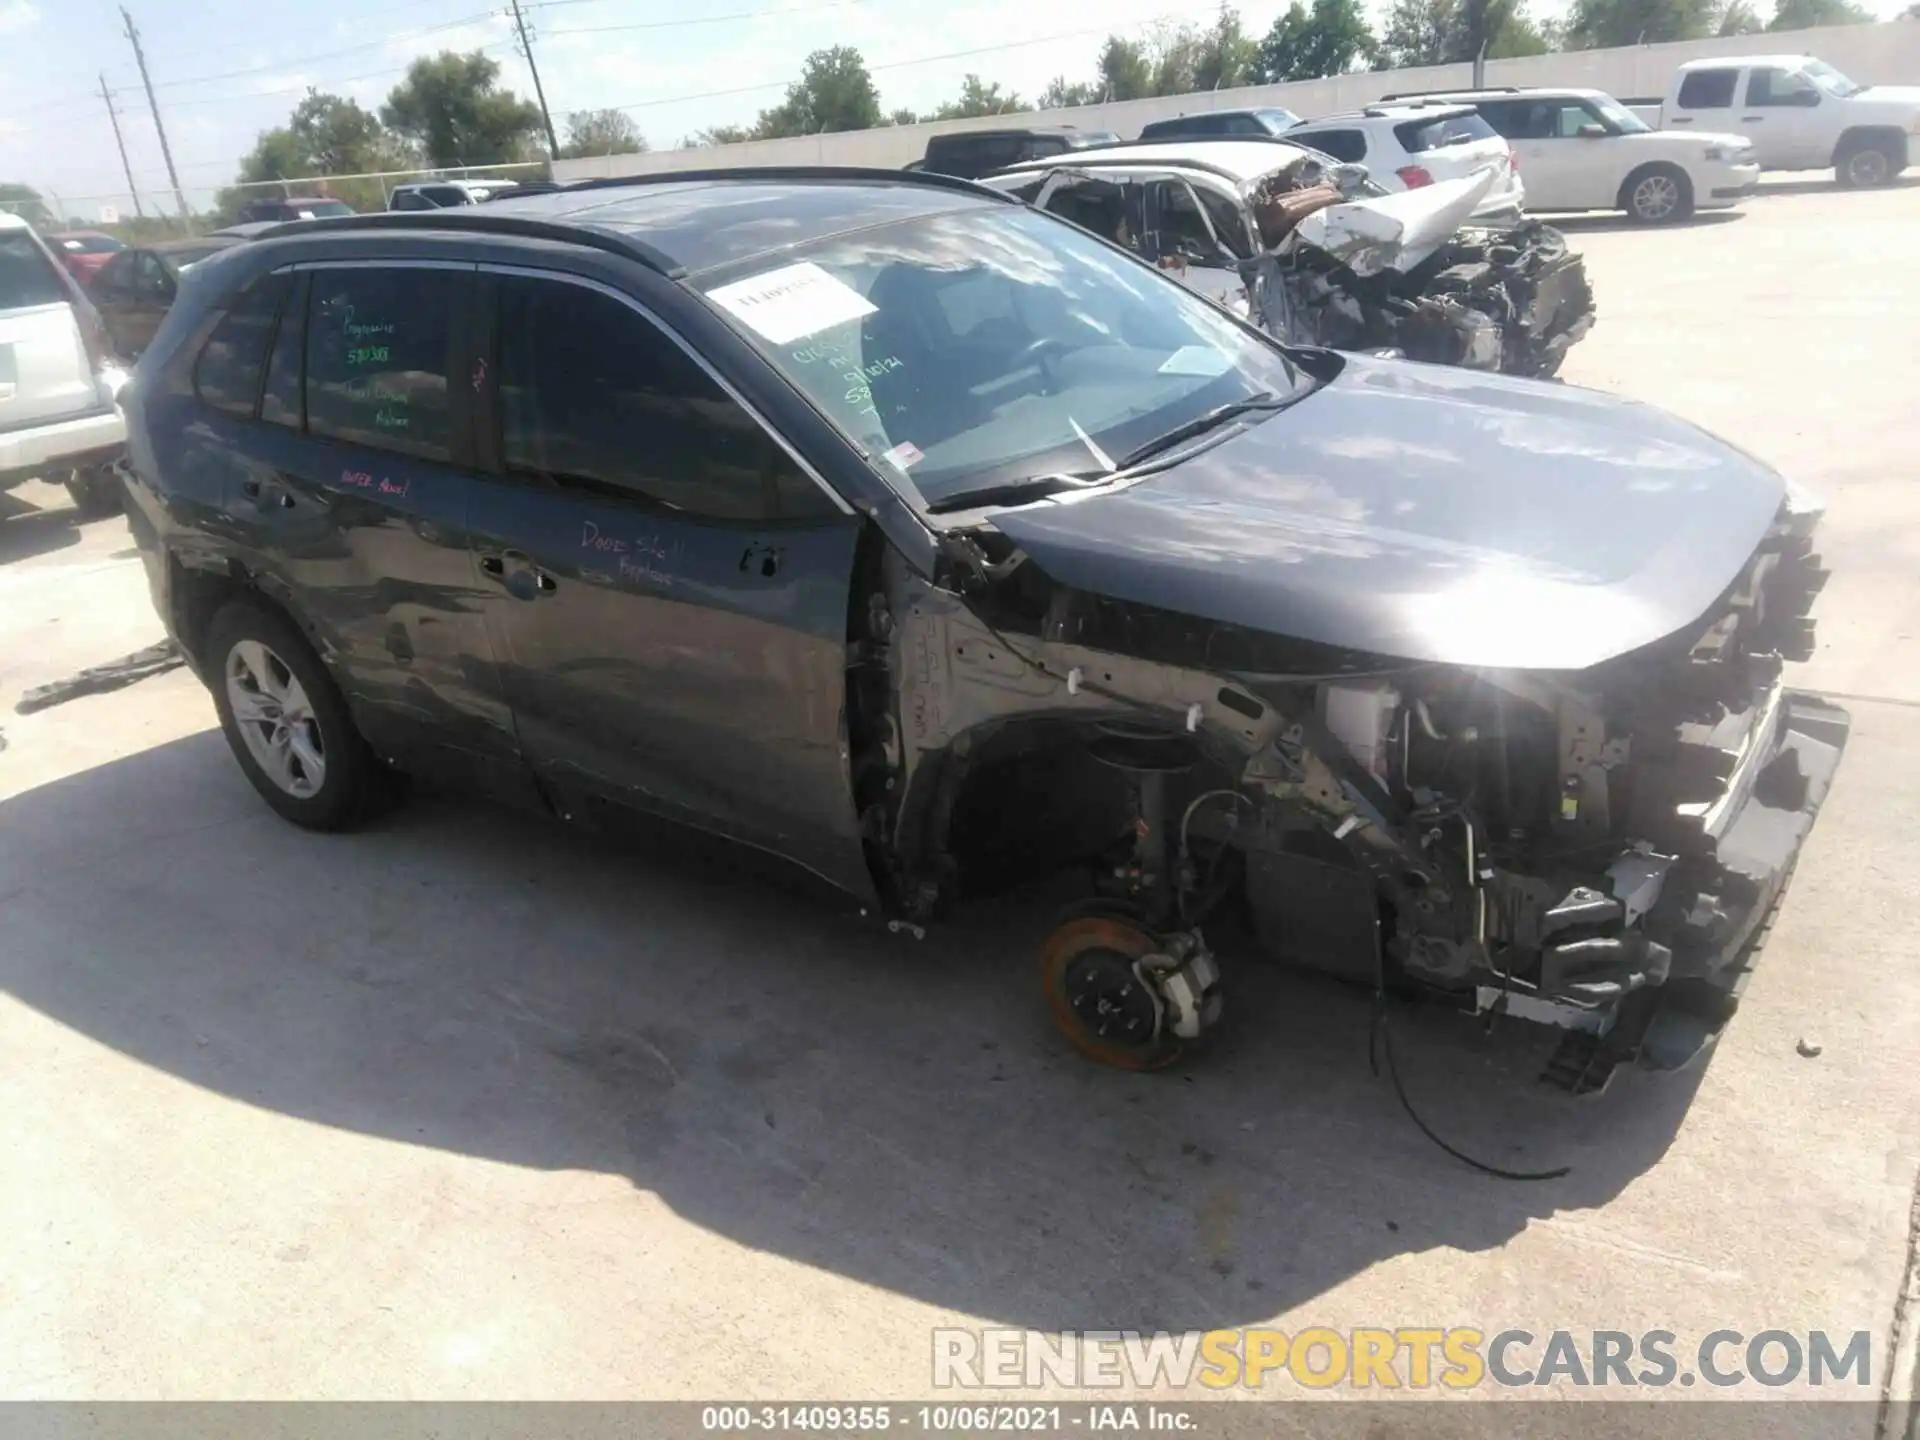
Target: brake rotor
x,y
1098,1001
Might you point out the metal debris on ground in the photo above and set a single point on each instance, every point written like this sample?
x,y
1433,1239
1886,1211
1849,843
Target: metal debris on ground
x,y
99,679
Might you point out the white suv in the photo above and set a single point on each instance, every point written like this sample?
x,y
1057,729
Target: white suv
x,y
1405,146
1584,150
59,419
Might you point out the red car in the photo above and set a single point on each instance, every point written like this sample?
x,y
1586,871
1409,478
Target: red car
x,y
83,252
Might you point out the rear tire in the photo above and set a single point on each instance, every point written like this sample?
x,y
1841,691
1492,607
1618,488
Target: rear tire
x,y
287,723
95,491
1657,195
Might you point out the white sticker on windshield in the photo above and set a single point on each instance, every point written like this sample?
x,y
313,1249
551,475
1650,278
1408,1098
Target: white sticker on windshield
x,y
792,302
1196,360
903,455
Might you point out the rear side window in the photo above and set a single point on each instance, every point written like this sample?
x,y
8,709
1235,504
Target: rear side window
x,y
1418,135
27,275
1345,145
226,373
595,395
1707,90
378,353
411,200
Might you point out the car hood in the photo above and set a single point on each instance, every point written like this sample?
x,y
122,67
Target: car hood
x,y
1905,98
1429,513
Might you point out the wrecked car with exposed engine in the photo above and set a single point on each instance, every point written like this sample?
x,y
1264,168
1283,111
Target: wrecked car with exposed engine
x,y
1317,254
910,534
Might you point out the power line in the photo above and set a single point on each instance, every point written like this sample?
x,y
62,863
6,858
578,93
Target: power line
x,y
696,19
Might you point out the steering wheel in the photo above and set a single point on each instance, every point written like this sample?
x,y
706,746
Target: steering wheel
x,y
1035,353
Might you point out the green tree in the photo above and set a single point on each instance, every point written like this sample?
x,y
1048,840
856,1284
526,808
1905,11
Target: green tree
x,y
718,135
601,132
834,92
1738,18
325,135
1598,24
978,98
25,201
903,116
1125,72
1062,94
1228,56
450,108
1173,59
1331,39
1806,14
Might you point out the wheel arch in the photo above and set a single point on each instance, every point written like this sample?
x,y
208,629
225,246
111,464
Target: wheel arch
x,y
1622,199
1864,137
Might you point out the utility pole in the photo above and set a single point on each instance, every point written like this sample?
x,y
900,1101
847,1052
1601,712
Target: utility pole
x,y
114,116
526,49
133,35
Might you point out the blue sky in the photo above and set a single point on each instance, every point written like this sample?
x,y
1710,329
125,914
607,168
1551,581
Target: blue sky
x,y
226,69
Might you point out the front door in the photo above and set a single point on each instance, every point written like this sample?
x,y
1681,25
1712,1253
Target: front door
x,y
1784,117
667,588
1705,102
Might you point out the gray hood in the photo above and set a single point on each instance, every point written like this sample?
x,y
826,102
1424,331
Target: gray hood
x,y
1430,513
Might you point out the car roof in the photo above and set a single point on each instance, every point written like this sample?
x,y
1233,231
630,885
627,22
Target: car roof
x,y
1206,114
79,235
1242,160
1390,112
1514,92
11,221
689,221
1068,132
1734,62
198,242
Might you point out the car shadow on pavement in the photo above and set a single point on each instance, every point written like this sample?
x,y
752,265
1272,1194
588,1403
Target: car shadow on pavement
x,y
1827,185
777,1068
27,530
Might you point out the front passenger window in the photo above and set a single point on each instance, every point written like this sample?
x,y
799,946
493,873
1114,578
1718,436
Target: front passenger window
x,y
1773,88
594,394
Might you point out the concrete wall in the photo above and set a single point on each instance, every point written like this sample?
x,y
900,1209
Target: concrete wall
x,y
1884,54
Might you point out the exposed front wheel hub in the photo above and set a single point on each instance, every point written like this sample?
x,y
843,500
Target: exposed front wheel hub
x,y
1125,996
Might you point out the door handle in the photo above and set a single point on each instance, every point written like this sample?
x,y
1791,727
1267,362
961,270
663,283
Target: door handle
x,y
1682,119
526,579
1751,119
493,565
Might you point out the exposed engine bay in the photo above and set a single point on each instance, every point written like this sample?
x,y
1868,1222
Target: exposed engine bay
x,y
1592,849
1509,297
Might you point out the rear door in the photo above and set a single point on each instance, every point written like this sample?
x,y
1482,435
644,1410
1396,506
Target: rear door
x,y
353,491
153,292
667,585
1562,170
44,370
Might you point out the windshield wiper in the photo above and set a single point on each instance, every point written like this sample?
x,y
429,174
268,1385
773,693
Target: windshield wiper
x,y
1014,492
1199,425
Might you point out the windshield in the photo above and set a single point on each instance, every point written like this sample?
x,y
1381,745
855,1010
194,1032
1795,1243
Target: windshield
x,y
1621,118
985,346
1830,79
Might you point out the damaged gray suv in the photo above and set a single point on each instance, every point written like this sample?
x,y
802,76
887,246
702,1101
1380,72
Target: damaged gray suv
x,y
887,524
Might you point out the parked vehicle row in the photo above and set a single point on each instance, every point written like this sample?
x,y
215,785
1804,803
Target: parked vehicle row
x,y
933,544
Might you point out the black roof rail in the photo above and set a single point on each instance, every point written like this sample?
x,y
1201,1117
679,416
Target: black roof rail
x,y
869,173
485,220
1456,90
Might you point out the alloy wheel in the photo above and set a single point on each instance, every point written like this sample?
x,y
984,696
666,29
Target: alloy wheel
x,y
1656,197
276,720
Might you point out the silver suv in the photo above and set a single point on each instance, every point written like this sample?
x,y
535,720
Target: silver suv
x,y
59,419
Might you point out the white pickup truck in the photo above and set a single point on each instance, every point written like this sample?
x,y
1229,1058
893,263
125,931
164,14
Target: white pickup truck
x,y
1799,112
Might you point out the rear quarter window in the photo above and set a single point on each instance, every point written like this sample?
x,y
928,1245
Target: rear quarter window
x,y
1349,146
28,275
1418,135
226,373
1707,89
